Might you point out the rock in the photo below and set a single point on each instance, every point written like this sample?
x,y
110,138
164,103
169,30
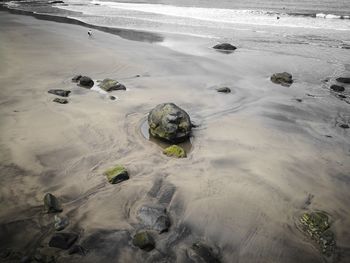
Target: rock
x,y
111,84
61,223
77,249
51,204
154,217
86,82
56,2
112,98
60,92
224,90
299,100
344,126
169,122
61,101
225,46
76,78
316,226
117,174
144,240
203,253
341,96
343,80
285,79
337,88
63,240
175,151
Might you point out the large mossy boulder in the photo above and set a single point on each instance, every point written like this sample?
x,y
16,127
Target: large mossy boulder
x,y
117,174
144,240
316,226
169,122
284,79
86,82
175,151
51,204
111,84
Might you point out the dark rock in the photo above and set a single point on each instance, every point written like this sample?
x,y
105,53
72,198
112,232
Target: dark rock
x,y
76,78
337,88
77,249
51,204
112,98
284,79
224,90
341,96
225,46
343,80
169,122
144,240
61,101
111,84
154,217
117,174
344,126
299,100
61,223
56,2
203,253
60,92
86,82
63,240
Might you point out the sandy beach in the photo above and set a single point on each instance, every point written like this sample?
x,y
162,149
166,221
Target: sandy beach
x,y
261,156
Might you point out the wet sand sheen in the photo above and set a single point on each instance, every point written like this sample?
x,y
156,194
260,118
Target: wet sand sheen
x,y
257,156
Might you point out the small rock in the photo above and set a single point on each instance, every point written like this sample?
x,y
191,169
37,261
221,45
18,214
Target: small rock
x,y
51,204
117,174
154,217
61,223
112,98
86,82
63,240
111,84
60,92
341,96
77,249
175,151
56,2
284,79
337,88
203,253
61,101
225,46
343,80
299,100
224,90
76,78
144,240
344,126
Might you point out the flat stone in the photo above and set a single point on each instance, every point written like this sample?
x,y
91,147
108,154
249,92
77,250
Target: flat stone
x,y
343,80
60,101
60,92
223,90
225,46
154,217
337,88
63,240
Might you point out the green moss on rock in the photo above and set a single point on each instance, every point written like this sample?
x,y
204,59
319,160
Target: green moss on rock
x,y
117,174
144,241
175,151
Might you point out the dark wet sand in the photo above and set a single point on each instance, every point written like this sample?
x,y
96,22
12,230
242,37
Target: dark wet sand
x,y
259,158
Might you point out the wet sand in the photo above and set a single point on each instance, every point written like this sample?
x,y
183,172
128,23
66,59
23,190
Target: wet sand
x,y
259,158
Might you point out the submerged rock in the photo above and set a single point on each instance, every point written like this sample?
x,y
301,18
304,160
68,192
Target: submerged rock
x,y
61,223
60,101
154,217
284,79
316,226
117,174
225,46
169,122
343,80
51,204
112,98
77,249
223,90
60,92
86,82
344,126
144,240
111,84
63,240
175,151
203,253
76,78
337,88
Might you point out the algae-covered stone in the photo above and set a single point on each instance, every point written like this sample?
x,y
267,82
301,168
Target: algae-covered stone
x,y
117,174
175,151
111,84
284,79
51,204
144,240
169,122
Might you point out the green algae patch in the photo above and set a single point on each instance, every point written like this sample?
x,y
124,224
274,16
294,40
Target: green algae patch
x,y
144,241
175,151
116,174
